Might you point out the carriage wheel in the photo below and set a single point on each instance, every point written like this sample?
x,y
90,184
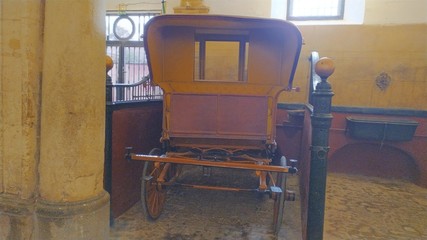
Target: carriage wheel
x,y
279,203
153,194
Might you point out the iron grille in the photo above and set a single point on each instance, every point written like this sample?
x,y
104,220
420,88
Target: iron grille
x,y
130,73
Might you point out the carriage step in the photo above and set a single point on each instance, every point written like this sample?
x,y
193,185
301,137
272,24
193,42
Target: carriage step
x,y
289,195
275,189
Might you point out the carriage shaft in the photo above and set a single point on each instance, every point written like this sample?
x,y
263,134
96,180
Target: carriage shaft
x,y
205,187
190,161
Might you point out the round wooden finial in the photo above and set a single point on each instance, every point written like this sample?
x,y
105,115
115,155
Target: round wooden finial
x,y
109,63
325,67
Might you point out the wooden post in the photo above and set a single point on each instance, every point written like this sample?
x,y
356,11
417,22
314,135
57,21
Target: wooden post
x,y
321,123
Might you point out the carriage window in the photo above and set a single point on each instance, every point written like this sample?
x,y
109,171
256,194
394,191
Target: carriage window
x,y
221,58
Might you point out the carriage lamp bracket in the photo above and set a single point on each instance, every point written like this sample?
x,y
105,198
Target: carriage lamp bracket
x,y
128,153
293,89
293,169
296,89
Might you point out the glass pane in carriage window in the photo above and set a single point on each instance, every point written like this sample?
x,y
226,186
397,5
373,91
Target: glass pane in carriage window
x,y
221,61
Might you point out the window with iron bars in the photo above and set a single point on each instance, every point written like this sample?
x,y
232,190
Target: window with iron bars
x,y
302,10
124,42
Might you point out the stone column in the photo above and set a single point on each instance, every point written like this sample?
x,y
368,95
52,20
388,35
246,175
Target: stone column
x,y
20,71
52,101
72,203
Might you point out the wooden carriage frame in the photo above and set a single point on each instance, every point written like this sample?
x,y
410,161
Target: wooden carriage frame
x,y
216,117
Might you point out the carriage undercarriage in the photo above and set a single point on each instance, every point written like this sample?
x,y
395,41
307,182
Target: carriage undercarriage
x,y
162,171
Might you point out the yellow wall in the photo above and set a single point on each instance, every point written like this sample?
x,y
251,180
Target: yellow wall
x,y
395,11
375,11
392,39
361,53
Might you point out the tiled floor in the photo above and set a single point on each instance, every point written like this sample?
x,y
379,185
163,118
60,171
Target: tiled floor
x,y
356,208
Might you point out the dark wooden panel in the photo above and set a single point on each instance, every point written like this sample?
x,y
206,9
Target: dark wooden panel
x,y
243,116
193,114
219,116
138,127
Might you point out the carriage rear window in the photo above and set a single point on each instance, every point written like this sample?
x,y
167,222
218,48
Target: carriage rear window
x,y
221,57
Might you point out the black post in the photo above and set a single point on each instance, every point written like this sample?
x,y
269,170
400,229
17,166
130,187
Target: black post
x,y
108,133
120,94
321,123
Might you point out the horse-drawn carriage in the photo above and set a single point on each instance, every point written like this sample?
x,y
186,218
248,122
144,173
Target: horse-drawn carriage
x,y
221,77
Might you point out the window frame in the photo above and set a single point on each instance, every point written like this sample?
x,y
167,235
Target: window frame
x,y
203,38
339,16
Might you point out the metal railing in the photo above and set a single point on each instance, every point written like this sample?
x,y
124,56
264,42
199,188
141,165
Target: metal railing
x,y
129,75
143,90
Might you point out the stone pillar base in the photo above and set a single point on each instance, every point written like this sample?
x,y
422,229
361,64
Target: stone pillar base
x,y
82,220
87,219
16,217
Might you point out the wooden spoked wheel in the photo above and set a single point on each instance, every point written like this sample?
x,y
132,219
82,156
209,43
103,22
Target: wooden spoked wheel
x,y
279,203
153,193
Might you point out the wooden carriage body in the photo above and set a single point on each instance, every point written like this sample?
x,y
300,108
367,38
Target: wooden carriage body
x,y
221,77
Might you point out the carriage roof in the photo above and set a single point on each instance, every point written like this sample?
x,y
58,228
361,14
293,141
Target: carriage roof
x,y
259,55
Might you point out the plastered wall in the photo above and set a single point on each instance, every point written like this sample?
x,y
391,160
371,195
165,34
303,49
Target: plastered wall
x,y
361,54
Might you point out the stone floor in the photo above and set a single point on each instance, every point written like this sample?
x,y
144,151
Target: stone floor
x,y
356,208
371,208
